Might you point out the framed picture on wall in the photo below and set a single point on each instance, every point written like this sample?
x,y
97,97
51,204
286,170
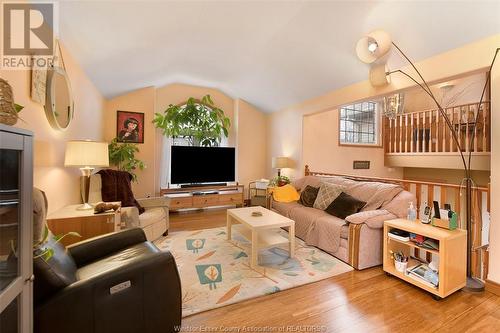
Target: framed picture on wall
x,y
130,127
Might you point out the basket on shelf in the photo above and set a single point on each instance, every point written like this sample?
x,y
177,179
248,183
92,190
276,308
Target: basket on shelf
x,y
8,114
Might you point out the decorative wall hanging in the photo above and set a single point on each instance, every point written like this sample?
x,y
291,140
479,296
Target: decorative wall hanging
x,y
130,126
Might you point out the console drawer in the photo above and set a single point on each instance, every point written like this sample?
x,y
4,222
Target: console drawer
x,y
231,199
205,200
181,202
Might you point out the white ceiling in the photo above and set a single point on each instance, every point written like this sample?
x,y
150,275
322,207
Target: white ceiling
x,y
270,53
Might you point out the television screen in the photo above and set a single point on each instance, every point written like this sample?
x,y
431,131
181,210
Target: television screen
x,y
191,165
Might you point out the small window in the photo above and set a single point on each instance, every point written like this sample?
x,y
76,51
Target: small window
x,y
359,124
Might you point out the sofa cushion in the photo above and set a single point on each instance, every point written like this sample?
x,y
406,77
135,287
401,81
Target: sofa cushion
x,y
308,196
344,205
326,194
286,193
151,216
284,208
344,231
400,203
375,194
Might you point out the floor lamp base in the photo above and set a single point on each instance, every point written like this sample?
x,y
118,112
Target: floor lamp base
x,y
473,285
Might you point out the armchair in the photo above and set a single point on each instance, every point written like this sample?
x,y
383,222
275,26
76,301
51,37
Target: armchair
x,y
154,221
117,282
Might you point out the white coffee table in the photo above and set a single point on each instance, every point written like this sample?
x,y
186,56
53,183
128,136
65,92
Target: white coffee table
x,y
261,231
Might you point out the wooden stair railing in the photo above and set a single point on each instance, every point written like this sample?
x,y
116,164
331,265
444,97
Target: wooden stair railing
x,y
426,132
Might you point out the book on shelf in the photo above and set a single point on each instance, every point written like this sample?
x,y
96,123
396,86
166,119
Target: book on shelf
x,y
424,274
400,235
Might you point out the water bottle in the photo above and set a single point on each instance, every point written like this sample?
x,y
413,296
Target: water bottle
x,y
412,212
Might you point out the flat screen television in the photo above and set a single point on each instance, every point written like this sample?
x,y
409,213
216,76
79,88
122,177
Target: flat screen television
x,y
196,165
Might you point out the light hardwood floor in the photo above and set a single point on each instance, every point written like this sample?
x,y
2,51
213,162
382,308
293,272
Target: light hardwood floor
x,y
358,301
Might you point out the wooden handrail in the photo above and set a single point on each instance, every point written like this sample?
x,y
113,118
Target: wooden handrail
x,y
387,180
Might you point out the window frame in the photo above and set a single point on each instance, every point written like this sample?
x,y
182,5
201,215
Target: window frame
x,y
379,128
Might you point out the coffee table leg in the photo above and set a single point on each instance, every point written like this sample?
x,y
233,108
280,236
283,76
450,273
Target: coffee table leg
x,y
229,224
291,237
254,258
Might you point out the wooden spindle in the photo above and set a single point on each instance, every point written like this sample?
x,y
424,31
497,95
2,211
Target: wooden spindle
x,y
400,134
424,135
430,194
411,133
443,196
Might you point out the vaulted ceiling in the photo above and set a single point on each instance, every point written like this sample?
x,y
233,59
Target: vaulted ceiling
x,y
270,53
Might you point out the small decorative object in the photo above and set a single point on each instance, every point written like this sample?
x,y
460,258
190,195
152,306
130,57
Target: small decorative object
x,y
256,214
400,261
122,155
279,181
102,207
393,105
8,109
200,122
130,127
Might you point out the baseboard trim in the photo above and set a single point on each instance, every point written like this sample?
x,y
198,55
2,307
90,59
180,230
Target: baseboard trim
x,y
492,287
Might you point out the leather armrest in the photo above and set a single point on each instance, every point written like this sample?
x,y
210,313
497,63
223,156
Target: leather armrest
x,y
94,248
89,306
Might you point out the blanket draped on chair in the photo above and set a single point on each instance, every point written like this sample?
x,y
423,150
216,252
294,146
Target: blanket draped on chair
x,y
116,187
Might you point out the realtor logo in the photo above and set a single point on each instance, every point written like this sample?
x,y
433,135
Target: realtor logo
x,y
28,34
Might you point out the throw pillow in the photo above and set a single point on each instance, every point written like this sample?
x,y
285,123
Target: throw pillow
x,y
344,205
326,194
286,193
308,196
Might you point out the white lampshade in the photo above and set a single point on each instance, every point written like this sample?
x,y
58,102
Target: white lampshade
x,y
378,75
282,162
86,154
373,46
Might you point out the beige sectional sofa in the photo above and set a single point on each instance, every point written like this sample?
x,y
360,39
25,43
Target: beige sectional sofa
x,y
357,240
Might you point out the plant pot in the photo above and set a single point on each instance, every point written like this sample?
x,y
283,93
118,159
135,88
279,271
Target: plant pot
x,y
401,266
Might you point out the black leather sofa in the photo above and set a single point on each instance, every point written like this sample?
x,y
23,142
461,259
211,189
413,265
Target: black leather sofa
x,y
118,282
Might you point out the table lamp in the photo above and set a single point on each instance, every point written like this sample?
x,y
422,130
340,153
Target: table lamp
x,y
281,163
86,155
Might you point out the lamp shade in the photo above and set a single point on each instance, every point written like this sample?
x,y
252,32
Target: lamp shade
x,y
378,75
281,162
373,46
86,154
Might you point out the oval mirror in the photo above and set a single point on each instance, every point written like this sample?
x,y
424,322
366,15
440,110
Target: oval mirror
x,y
59,100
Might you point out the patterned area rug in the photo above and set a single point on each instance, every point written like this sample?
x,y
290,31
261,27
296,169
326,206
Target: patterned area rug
x,y
215,272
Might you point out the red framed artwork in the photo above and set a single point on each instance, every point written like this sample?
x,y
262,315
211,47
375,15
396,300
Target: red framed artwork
x,y
130,127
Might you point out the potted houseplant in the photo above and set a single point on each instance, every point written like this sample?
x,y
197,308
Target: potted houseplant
x,y
122,155
279,181
198,121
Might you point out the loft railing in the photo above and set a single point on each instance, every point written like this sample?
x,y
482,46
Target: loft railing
x,y
426,131
455,196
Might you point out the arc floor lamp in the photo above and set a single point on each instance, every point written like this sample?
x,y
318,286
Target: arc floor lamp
x,y
372,49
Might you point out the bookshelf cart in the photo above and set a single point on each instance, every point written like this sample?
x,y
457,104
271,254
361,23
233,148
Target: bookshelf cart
x,y
452,254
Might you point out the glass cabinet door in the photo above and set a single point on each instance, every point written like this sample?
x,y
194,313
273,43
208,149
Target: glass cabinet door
x,y
15,233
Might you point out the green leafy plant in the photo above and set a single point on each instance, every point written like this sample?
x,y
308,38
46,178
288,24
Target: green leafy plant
x,y
41,249
279,181
122,155
199,121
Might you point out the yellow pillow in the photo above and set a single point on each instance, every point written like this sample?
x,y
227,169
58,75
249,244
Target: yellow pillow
x,y
286,193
